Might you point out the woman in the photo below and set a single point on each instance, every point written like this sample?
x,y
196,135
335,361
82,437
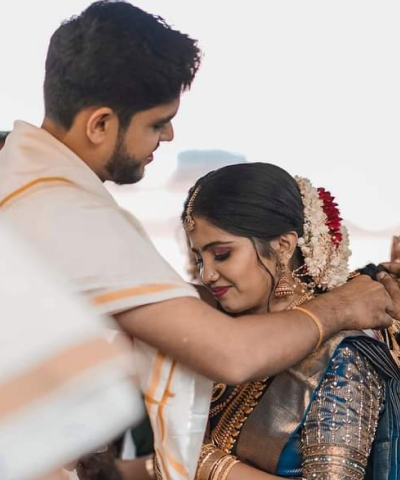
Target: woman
x,y
266,242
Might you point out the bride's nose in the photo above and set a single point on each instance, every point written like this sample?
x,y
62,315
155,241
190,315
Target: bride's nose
x,y
209,275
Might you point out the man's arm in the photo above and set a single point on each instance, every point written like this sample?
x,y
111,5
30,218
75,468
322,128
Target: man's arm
x,y
253,346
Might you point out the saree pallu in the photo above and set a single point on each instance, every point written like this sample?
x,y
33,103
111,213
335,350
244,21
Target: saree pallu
x,y
271,438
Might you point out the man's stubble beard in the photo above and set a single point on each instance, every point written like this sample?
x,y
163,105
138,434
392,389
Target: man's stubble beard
x,y
123,168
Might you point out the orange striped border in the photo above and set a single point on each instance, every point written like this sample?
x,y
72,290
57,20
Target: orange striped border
x,y
132,292
31,184
50,375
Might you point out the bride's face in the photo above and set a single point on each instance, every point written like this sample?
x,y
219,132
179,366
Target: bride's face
x,y
229,267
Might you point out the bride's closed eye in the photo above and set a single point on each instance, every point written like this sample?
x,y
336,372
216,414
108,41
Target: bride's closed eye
x,y
221,257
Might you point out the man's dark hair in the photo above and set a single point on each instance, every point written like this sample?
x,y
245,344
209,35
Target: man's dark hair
x,y
116,55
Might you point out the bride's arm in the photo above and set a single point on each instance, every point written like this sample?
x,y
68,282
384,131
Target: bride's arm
x,y
214,464
340,427
241,471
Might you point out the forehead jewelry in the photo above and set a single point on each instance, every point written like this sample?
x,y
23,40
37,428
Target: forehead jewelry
x,y
189,223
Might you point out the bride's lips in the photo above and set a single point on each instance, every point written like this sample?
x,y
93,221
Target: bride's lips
x,y
219,291
150,158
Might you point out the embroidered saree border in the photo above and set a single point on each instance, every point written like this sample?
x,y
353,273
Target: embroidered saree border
x,y
283,404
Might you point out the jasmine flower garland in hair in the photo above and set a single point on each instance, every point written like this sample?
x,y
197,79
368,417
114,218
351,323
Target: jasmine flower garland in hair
x,y
325,242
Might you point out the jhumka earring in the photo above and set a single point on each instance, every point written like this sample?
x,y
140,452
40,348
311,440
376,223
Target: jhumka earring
x,y
283,287
188,222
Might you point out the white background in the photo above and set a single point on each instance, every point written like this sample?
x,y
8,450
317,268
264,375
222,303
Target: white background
x,y
313,86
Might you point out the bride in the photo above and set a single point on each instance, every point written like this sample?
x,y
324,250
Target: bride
x,y
265,242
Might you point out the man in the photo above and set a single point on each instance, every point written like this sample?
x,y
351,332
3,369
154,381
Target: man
x,y
57,371
114,76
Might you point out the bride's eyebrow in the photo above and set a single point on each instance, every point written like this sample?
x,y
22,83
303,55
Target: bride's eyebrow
x,y
211,245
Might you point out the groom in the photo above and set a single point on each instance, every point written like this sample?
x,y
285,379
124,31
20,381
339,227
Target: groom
x,y
113,81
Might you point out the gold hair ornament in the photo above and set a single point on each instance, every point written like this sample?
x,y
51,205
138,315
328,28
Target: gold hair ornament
x,y
188,222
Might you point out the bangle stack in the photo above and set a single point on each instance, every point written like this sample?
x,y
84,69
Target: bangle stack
x,y
214,464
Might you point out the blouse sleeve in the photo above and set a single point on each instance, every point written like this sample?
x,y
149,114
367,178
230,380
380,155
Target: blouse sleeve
x,y
340,426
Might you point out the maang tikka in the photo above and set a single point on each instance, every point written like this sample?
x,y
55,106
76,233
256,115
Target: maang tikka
x,y
188,222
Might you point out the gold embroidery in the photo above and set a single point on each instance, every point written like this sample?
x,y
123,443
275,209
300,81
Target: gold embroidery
x,y
352,422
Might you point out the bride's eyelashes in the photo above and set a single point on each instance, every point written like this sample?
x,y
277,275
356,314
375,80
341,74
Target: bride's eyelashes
x,y
218,257
221,257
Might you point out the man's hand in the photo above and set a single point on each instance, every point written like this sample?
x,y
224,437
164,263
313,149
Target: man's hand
x,y
395,252
391,281
364,304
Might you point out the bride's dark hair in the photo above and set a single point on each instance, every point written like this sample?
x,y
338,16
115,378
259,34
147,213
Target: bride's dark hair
x,y
258,201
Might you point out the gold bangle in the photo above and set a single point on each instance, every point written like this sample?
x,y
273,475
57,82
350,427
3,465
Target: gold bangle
x,y
206,451
149,466
316,322
223,467
214,474
224,475
207,464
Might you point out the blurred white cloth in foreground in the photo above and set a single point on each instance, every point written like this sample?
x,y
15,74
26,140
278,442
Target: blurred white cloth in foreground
x,y
64,389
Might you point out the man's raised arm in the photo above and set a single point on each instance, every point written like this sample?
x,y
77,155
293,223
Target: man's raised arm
x,y
254,346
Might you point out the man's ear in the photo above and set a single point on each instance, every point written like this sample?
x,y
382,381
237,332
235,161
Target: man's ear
x,y
101,124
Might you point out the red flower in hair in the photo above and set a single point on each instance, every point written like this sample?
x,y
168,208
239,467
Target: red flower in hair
x,y
334,221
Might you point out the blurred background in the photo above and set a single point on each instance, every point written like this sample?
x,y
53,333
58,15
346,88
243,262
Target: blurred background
x,y
312,86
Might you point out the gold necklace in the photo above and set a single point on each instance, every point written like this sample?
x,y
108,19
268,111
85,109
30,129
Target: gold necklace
x,y
215,410
228,428
240,403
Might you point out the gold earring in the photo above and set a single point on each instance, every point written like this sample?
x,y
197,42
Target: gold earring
x,y
283,287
